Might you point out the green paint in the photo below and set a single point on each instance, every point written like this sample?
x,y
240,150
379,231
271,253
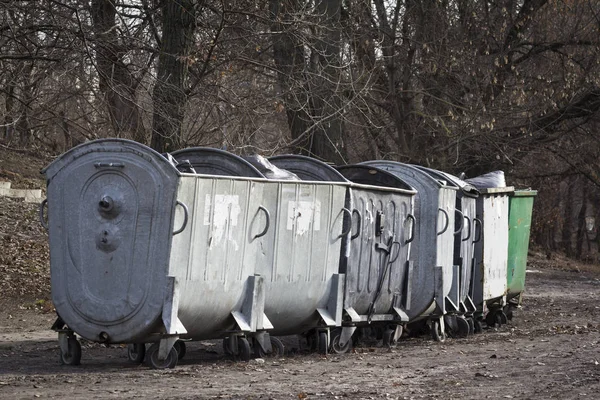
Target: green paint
x,y
519,215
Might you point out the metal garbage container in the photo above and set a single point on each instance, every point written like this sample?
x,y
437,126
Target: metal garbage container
x,y
491,251
304,287
430,279
378,259
520,208
142,253
299,251
462,323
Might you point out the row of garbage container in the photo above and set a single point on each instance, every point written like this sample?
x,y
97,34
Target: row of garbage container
x,y
151,249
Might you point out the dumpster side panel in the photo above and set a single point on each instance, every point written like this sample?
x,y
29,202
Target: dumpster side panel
x,y
424,278
518,242
306,233
369,273
495,242
465,245
445,245
209,257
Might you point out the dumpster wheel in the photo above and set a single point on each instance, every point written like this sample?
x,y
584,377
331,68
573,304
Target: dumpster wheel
x,y
323,345
437,332
73,355
463,326
477,328
388,337
181,349
471,323
243,353
277,349
153,361
136,352
335,343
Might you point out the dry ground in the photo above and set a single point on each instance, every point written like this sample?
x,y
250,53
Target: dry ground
x,y
551,349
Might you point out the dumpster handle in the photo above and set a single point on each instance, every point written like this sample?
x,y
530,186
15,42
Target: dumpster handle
x,y
469,231
447,220
185,217
412,228
478,221
462,222
350,227
397,253
359,225
268,216
42,220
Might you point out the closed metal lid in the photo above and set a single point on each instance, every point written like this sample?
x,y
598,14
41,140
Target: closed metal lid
x,y
307,168
209,161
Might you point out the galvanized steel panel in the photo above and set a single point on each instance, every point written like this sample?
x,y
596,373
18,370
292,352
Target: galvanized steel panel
x,y
491,250
431,275
110,206
303,262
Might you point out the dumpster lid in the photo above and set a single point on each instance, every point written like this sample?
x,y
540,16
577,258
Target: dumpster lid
x,y
307,168
525,193
439,175
207,160
412,171
108,146
498,190
269,170
465,187
367,175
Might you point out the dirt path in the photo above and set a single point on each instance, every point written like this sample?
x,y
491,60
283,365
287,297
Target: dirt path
x,y
550,350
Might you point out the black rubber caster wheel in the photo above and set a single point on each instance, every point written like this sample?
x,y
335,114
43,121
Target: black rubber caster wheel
x,y
437,333
336,347
136,352
181,349
323,345
471,323
152,358
463,327
73,356
477,328
243,349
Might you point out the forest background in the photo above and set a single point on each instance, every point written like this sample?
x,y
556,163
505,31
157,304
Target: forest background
x,y
457,85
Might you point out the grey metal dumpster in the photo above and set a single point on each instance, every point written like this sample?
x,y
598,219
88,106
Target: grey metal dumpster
x,y
141,253
464,248
299,251
304,289
491,252
378,261
430,280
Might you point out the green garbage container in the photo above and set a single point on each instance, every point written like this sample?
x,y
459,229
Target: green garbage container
x,y
519,215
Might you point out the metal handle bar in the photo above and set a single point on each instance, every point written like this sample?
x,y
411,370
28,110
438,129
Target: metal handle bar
x,y
185,217
268,216
350,225
42,220
447,220
412,227
478,221
359,224
462,221
469,231
391,261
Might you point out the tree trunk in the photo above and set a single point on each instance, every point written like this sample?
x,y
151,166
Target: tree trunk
x,y
116,82
170,99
